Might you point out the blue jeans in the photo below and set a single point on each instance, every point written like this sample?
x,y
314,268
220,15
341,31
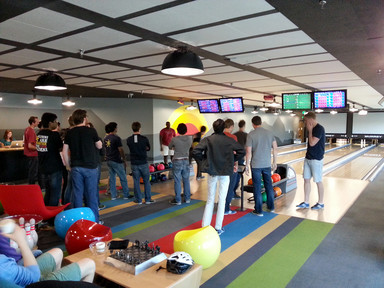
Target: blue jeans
x,y
137,172
85,186
231,191
181,173
256,179
52,184
117,168
68,194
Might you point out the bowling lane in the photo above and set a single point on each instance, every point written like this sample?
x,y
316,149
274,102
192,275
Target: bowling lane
x,y
328,157
287,148
295,155
359,167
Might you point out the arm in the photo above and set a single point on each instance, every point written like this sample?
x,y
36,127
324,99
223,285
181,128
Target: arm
x,y
274,155
312,140
248,158
122,155
99,144
161,142
31,146
66,157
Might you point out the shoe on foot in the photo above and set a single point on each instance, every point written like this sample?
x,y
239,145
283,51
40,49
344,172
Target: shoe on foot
x,y
257,214
114,198
129,197
102,206
317,206
137,202
174,202
101,222
220,231
150,202
303,205
188,201
230,212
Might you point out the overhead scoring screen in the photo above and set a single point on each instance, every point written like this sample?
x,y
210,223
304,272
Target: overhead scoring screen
x,y
297,101
330,99
228,105
208,106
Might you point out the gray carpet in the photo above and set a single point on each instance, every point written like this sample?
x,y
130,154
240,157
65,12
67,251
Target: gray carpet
x,y
352,253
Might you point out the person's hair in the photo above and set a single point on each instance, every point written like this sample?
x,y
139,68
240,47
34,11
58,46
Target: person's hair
x,y
40,125
32,119
46,118
218,126
256,120
168,124
241,123
228,123
78,116
70,121
6,134
136,126
203,128
182,129
110,127
310,115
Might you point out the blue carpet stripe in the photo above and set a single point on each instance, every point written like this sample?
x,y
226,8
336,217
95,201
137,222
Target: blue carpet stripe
x,y
232,271
151,216
237,230
120,201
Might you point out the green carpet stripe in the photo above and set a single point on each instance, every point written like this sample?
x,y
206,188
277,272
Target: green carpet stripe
x,y
157,220
291,253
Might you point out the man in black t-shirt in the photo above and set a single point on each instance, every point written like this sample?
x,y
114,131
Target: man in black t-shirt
x,y
49,145
313,162
80,157
138,146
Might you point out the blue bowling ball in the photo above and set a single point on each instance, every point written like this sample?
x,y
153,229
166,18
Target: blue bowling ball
x,y
65,219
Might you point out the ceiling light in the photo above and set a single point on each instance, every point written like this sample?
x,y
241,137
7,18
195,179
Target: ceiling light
x,y
263,108
288,111
34,100
363,112
68,102
276,113
191,107
182,62
274,103
50,81
1,98
353,109
255,110
333,112
292,114
319,110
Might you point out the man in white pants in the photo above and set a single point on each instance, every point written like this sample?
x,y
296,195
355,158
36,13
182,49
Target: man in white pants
x,y
218,154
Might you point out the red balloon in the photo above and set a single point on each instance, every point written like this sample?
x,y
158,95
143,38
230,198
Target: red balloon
x,y
276,177
84,232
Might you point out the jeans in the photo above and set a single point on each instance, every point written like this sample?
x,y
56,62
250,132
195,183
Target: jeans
x,y
68,194
85,186
33,164
117,168
257,173
231,191
208,211
52,184
137,172
181,173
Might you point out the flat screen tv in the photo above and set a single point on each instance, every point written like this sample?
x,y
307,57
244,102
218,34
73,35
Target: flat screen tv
x,y
297,101
231,105
331,99
208,105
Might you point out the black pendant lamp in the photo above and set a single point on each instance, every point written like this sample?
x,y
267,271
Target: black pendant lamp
x,y
182,62
50,81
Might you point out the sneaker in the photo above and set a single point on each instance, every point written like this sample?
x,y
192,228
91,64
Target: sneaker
x,y
102,206
101,222
230,212
129,197
272,210
150,202
257,214
137,202
317,206
303,205
174,202
114,198
220,231
188,201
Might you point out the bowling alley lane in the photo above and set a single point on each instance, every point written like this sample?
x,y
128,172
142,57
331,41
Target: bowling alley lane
x,y
359,167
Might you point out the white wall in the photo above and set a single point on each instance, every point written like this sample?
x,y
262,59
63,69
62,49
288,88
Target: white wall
x,y
333,124
372,123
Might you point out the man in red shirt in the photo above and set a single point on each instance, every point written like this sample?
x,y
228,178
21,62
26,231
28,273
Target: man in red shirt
x,y
166,134
30,149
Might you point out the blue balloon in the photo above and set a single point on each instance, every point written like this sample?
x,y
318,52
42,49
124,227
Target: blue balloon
x,y
65,219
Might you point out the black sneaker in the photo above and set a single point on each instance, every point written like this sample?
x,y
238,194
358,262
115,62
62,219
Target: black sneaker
x,y
150,202
257,214
102,206
174,202
138,202
221,231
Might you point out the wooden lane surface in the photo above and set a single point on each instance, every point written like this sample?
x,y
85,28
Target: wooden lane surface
x,y
296,155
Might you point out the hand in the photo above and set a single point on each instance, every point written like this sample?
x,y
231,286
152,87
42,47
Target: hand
x,y
235,167
274,167
18,235
246,170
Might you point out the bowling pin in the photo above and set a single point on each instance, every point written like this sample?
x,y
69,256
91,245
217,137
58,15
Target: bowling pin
x,y
361,143
33,232
364,142
28,236
21,223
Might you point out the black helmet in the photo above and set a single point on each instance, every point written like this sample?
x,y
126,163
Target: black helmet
x,y
179,262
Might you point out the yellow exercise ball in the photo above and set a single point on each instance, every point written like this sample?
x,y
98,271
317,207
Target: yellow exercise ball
x,y
202,244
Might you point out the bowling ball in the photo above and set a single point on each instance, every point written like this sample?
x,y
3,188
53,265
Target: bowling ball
x,y
166,166
275,177
163,177
151,168
160,167
250,182
277,191
170,165
264,195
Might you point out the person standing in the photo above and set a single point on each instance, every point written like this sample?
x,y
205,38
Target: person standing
x,y
49,145
242,139
258,147
166,134
30,149
138,146
181,145
218,154
313,162
81,158
196,140
115,157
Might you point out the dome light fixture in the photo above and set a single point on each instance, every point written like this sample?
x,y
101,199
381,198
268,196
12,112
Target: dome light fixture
x,y
333,112
191,107
263,108
68,102
363,112
255,110
34,100
182,62
274,104
50,81
353,109
288,111
319,110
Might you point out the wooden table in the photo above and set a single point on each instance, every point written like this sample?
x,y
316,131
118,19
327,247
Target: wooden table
x,y
149,278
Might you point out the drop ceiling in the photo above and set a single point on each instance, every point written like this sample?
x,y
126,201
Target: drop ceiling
x,y
248,48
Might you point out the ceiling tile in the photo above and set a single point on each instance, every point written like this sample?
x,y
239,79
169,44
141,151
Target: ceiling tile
x,y
63,64
174,83
77,80
123,74
39,24
231,77
96,69
17,73
25,56
4,47
341,76
127,87
303,69
147,61
100,83
149,78
295,60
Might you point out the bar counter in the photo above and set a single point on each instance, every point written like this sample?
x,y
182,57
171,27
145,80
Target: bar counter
x,y
13,165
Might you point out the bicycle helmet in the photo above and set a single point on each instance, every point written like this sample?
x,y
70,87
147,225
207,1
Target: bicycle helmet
x,y
179,262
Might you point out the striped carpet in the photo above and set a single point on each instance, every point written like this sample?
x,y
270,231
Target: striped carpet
x,y
256,251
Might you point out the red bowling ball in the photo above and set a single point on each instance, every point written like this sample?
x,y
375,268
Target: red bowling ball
x,y
276,177
160,167
151,168
84,232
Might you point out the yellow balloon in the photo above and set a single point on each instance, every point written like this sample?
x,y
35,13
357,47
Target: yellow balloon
x,y
202,244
